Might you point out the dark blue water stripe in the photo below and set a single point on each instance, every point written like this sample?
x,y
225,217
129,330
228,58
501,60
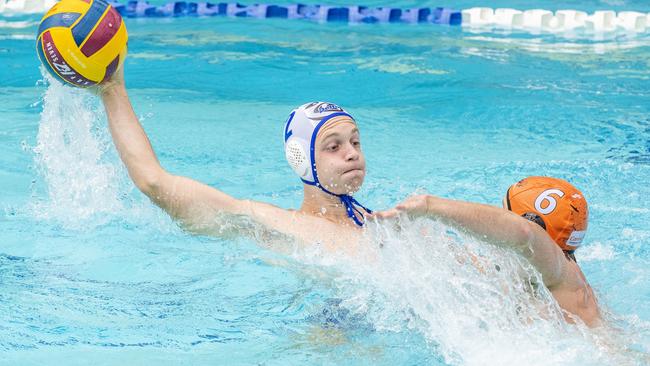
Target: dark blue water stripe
x,y
81,31
57,20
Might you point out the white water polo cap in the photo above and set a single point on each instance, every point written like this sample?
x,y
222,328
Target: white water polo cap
x,y
300,133
300,136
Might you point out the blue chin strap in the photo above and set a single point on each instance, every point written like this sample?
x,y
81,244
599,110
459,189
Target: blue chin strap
x,y
348,201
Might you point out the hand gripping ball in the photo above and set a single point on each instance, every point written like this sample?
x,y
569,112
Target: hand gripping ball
x,y
81,42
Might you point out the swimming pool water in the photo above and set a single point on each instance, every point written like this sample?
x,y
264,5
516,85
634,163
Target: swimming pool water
x,y
92,272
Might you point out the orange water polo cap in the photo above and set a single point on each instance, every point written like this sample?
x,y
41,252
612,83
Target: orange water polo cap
x,y
555,204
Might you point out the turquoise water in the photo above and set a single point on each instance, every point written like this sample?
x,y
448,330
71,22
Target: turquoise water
x,y
92,272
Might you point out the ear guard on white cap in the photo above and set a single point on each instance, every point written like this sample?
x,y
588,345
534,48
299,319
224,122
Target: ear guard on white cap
x,y
300,133
298,158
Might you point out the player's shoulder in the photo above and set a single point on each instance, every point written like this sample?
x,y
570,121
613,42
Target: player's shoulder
x,y
573,279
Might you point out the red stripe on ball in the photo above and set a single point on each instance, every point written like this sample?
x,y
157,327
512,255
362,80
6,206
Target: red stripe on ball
x,y
110,69
104,32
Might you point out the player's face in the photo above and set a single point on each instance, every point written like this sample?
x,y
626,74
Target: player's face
x,y
340,163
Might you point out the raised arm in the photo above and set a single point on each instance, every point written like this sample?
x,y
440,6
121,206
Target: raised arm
x,y
192,203
495,225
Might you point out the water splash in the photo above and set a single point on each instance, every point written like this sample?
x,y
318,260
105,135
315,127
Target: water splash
x,y
473,302
73,157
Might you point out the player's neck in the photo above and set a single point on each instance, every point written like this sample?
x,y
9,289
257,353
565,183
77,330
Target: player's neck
x,y
318,203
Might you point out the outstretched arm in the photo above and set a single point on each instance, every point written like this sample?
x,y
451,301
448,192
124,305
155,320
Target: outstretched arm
x,y
495,225
192,203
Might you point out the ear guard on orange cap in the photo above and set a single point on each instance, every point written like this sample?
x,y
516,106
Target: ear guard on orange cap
x,y
555,205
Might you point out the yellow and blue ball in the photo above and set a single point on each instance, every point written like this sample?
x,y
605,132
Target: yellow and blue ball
x,y
82,42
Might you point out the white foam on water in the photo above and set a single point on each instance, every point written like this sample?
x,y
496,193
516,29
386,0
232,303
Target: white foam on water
x,y
597,251
635,234
22,37
473,302
19,7
17,24
82,184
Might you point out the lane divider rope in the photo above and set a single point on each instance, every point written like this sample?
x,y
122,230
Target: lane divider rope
x,y
475,19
